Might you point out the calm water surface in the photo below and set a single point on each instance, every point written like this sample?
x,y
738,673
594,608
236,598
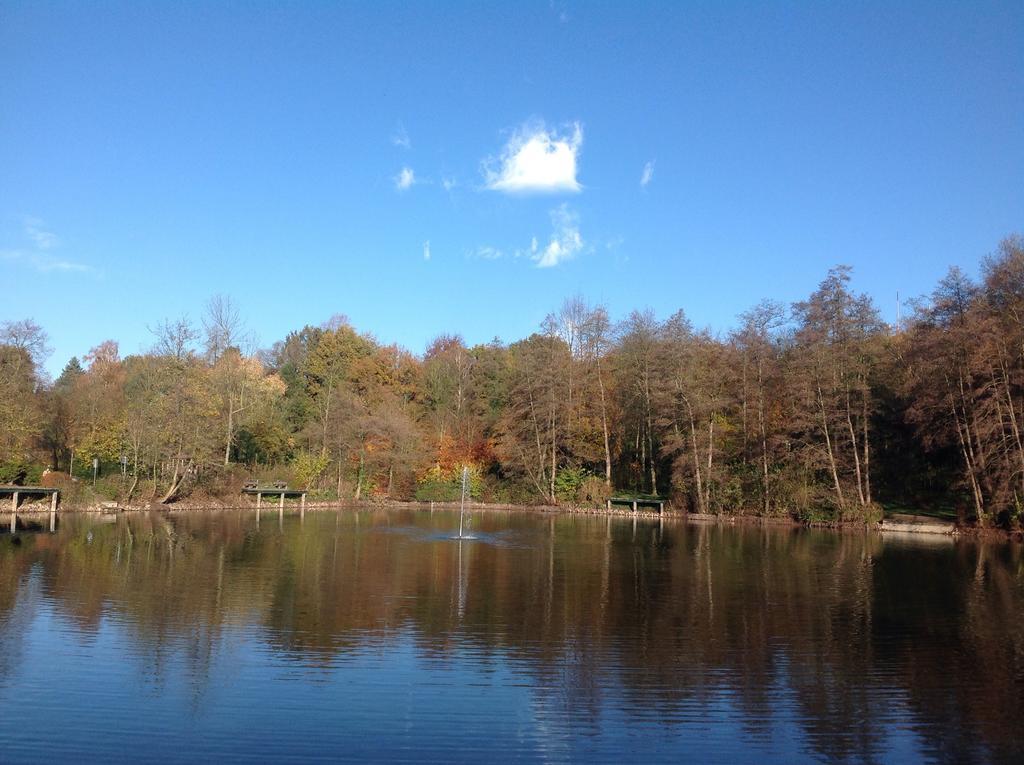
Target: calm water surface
x,y
351,635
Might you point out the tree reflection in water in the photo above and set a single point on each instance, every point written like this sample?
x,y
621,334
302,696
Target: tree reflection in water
x,y
840,637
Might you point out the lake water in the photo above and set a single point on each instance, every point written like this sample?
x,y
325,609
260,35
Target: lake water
x,y
371,635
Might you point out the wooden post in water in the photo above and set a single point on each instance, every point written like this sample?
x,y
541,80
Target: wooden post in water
x,y
53,511
280,510
14,512
259,499
634,505
302,507
609,505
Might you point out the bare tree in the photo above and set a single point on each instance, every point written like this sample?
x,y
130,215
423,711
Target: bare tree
x,y
27,336
222,326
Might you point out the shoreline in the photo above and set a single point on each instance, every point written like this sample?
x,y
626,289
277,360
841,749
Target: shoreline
x,y
916,525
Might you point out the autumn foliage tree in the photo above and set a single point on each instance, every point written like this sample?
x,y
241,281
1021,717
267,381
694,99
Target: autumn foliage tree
x,y
819,410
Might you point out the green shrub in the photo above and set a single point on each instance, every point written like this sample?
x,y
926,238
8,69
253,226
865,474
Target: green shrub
x,y
308,468
509,491
569,481
440,485
30,472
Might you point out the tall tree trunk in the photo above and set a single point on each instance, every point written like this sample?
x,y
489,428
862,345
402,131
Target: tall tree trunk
x,y
867,449
1015,429
764,434
650,456
711,451
541,456
227,443
855,449
967,451
359,477
831,454
326,416
974,447
604,428
746,446
554,456
650,430
979,503
135,473
696,460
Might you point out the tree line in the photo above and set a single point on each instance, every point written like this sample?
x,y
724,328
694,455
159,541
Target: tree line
x,y
818,410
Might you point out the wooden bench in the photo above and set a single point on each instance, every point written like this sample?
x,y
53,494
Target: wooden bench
x,y
636,502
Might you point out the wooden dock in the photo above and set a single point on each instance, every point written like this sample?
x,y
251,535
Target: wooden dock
x,y
17,492
637,502
917,524
275,491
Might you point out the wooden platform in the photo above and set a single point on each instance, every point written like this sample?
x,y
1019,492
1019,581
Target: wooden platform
x,y
918,524
275,491
17,492
637,502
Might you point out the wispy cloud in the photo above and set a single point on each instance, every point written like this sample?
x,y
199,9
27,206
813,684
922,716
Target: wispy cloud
x,y
39,235
566,241
536,160
405,179
36,252
400,137
44,263
426,250
448,183
487,253
647,175
47,264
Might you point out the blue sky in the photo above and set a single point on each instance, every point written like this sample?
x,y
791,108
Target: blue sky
x,y
299,157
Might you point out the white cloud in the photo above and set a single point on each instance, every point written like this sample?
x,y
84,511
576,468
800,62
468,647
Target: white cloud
x,y
41,238
566,241
426,250
405,179
536,160
400,137
448,183
488,253
647,174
